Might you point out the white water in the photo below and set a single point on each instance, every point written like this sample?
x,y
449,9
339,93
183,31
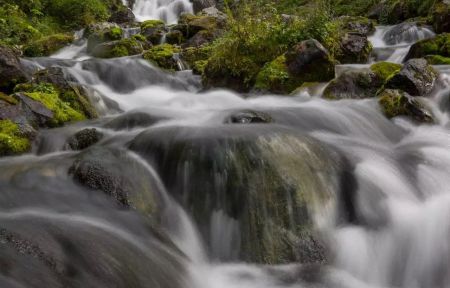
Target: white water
x,y
166,10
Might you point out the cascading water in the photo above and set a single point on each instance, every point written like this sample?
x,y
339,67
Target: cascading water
x,y
166,10
199,187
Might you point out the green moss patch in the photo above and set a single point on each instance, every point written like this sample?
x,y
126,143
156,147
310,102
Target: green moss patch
x,y
48,45
384,70
437,60
150,24
12,141
162,56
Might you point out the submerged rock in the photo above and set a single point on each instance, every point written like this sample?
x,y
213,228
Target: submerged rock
x,y
84,138
133,119
407,32
259,182
398,103
248,117
417,78
11,71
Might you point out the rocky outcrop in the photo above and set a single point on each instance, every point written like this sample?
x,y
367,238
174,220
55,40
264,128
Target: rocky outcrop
x,y
355,48
416,78
11,71
396,103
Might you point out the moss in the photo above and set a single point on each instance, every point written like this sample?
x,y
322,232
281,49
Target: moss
x,y
395,103
162,56
139,37
384,70
196,23
197,57
115,33
51,98
98,37
121,48
12,141
47,45
437,60
275,78
439,45
7,99
150,24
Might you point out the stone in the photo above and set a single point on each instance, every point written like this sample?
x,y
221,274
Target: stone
x,y
11,71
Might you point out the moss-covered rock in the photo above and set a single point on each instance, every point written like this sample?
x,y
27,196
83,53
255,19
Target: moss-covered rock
x,y
120,48
439,45
395,103
52,99
175,37
47,45
416,77
196,57
162,56
102,32
153,30
385,70
274,77
192,24
12,140
358,24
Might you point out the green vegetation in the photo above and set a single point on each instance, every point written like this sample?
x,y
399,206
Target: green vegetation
x,y
12,141
439,45
275,78
121,48
437,60
150,24
162,56
384,70
47,45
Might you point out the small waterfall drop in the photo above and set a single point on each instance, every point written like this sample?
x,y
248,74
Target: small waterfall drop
x,y
166,10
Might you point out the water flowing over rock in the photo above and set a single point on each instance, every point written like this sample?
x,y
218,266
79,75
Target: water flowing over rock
x,y
407,32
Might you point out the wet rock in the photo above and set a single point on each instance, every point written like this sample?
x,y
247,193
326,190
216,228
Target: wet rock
x,y
123,16
53,75
353,85
102,32
13,139
162,56
175,37
84,138
27,111
355,47
257,180
11,72
398,103
359,25
131,120
434,46
201,38
408,32
249,117
117,175
208,21
153,30
310,61
417,78
120,48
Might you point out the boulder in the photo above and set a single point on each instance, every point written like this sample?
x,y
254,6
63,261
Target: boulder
x,y
84,138
199,5
395,103
162,56
102,32
355,48
416,78
12,140
153,30
353,85
175,37
123,16
310,62
256,180
438,45
248,117
11,71
119,48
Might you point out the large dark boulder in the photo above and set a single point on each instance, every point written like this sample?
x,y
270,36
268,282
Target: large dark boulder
x,y
123,16
355,48
255,181
417,78
310,61
11,72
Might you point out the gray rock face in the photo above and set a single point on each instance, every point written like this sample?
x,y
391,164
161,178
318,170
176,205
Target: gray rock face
x,y
11,72
353,85
417,78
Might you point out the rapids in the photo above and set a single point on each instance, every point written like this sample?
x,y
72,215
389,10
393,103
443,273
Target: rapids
x,y
377,190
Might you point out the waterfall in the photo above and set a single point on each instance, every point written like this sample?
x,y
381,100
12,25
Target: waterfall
x,y
166,10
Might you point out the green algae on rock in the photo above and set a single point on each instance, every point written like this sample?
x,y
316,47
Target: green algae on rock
x,y
12,140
